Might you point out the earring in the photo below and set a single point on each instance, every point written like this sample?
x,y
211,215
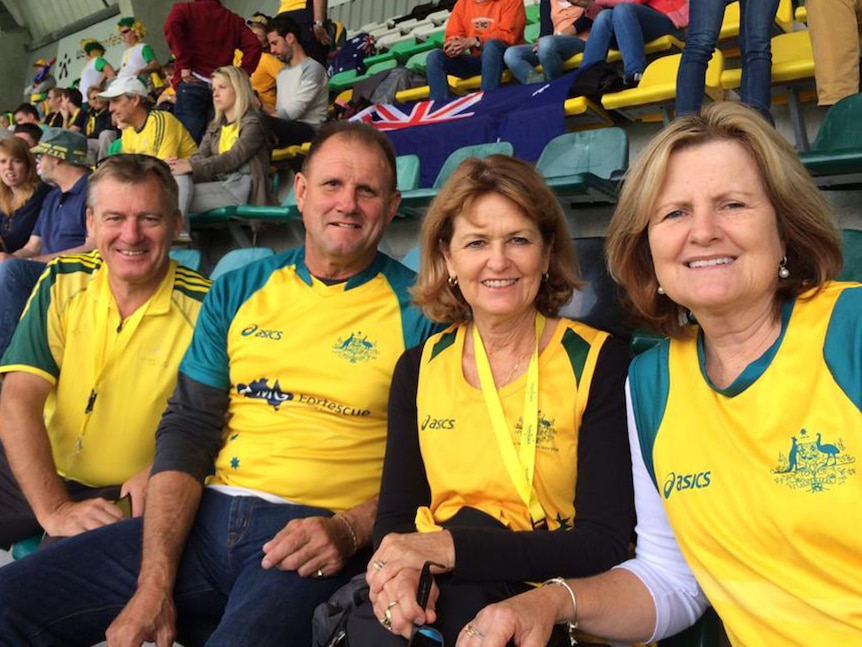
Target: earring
x,y
783,272
545,277
660,290
453,281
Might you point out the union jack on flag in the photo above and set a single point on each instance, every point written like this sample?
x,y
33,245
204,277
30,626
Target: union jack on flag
x,y
388,117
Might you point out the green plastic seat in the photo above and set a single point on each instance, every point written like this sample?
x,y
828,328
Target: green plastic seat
x,y
418,61
20,549
405,50
337,84
531,32
582,166
413,202
378,58
407,169
237,258
851,249
533,14
835,159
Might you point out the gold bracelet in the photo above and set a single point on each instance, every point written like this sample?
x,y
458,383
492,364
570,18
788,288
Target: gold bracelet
x,y
571,625
350,529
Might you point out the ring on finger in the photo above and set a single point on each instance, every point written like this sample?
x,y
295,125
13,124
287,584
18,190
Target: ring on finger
x,y
378,564
386,620
470,630
391,604
319,573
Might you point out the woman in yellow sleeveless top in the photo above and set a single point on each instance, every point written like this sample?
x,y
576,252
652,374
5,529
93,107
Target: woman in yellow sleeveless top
x,y
506,460
745,424
231,166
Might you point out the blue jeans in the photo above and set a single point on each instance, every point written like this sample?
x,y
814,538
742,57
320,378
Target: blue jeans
x,y
552,52
489,65
68,593
627,26
755,25
18,277
194,108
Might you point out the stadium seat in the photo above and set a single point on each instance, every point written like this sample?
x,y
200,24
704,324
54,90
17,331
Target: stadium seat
x,y
582,112
835,159
851,249
531,33
190,258
411,258
414,202
582,166
406,49
407,169
792,73
598,302
439,17
532,13
344,80
656,93
659,47
237,258
21,549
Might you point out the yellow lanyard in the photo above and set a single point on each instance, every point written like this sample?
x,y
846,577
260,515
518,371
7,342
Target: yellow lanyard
x,y
521,466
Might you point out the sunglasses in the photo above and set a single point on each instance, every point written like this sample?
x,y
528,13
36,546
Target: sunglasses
x,y
125,31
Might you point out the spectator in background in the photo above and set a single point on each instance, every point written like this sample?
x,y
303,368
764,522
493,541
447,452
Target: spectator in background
x,y
477,34
60,228
54,101
203,36
148,132
21,193
100,129
30,133
310,15
43,81
95,332
26,113
74,114
167,94
97,70
836,33
139,59
264,78
303,93
627,25
231,166
569,30
756,18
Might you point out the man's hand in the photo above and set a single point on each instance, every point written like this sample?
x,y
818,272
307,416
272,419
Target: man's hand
x,y
186,76
179,166
322,35
150,616
137,488
457,45
309,545
72,518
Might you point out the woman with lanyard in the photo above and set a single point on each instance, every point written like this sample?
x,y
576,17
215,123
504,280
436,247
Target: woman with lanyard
x,y
506,460
231,166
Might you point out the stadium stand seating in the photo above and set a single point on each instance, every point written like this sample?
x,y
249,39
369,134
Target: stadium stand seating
x,y
835,159
237,258
190,258
851,249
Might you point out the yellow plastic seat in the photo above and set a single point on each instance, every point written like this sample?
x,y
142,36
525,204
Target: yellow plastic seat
x,y
656,93
583,113
282,154
661,45
792,74
461,86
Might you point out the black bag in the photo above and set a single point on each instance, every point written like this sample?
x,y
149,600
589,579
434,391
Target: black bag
x,y
329,622
595,81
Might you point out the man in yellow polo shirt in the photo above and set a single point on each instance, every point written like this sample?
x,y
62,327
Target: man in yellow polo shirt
x,y
148,132
94,359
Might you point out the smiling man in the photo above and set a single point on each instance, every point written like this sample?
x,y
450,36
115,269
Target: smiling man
x,y
94,360
268,459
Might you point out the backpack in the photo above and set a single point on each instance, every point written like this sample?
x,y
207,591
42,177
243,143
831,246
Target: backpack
x,y
596,80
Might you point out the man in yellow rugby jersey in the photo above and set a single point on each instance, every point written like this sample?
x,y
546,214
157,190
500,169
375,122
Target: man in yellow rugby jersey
x,y
94,359
268,458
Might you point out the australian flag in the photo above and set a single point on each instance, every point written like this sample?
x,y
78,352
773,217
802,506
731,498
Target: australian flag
x,y
527,116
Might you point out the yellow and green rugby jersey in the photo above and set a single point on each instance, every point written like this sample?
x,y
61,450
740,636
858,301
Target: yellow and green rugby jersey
x,y
162,136
308,368
455,428
112,378
760,480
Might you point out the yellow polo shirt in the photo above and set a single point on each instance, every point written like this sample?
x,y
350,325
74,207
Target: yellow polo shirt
x,y
111,378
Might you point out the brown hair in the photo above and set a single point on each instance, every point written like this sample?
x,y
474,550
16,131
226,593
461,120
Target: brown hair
x,y
812,242
17,149
518,182
358,132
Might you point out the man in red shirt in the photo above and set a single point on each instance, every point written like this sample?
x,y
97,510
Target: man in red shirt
x,y
203,36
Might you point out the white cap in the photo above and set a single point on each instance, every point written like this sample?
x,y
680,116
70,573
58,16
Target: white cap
x,y
127,85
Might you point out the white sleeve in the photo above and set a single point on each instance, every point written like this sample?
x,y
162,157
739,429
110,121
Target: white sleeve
x,y
658,562
303,95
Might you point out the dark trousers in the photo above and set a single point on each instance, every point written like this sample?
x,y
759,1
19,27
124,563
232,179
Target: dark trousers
x,y
290,133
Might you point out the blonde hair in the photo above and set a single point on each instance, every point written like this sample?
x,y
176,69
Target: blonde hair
x,y
804,218
518,182
239,82
17,149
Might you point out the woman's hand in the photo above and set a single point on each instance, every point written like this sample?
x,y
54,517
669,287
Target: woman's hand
x,y
179,166
526,619
393,576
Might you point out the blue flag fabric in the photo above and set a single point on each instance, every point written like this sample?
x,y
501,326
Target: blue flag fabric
x,y
527,116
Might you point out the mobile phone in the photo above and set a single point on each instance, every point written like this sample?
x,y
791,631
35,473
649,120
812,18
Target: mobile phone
x,y
125,505
425,637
